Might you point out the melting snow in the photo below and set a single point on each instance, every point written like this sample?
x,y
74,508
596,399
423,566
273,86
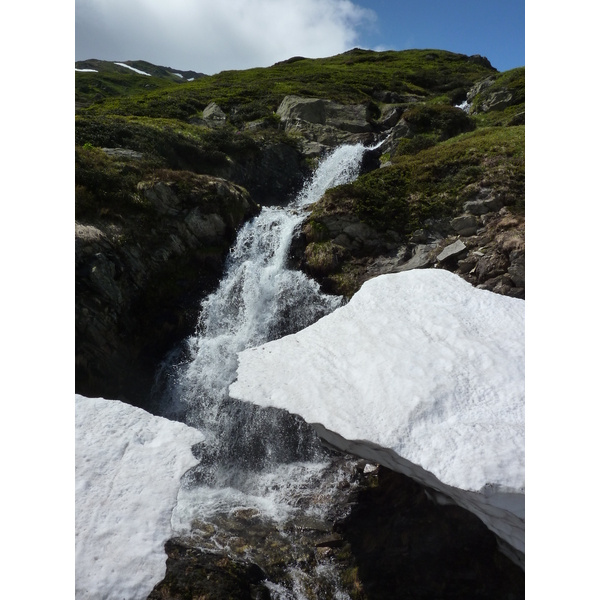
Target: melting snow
x,y
86,70
419,371
178,74
136,70
128,465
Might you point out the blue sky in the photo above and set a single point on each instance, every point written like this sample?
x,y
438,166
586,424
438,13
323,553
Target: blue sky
x,y
495,29
209,36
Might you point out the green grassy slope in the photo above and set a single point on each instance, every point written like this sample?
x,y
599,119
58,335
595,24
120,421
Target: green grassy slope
x,y
353,77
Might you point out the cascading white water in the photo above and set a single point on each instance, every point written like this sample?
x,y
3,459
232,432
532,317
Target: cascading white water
x,y
259,298
254,459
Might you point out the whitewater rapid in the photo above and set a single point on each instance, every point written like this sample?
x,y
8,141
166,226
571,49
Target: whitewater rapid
x,y
253,459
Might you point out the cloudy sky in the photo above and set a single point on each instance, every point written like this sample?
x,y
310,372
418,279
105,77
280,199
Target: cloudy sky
x,y
213,35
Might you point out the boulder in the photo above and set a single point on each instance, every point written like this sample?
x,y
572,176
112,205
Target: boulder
x,y
486,201
390,115
465,225
498,100
305,109
123,153
452,252
213,112
325,121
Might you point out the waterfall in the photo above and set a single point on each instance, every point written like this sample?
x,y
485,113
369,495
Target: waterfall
x,y
259,299
256,459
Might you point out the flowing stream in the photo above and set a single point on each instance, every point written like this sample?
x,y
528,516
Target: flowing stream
x,y
257,467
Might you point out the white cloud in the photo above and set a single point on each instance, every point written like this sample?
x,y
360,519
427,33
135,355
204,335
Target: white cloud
x,y
210,36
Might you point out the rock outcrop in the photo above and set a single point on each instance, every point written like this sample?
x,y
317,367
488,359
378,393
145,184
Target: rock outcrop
x,y
325,124
139,279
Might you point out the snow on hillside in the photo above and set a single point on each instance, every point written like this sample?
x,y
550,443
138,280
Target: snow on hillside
x,y
422,373
128,465
132,68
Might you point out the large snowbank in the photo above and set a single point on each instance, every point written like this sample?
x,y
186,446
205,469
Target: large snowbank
x,y
420,372
128,466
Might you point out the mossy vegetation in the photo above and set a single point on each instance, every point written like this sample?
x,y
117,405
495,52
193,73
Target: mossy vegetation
x,y
106,186
439,120
94,87
167,142
357,76
435,182
100,79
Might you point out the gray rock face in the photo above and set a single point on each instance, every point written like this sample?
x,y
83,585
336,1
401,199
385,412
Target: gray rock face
x,y
347,117
207,228
324,121
517,271
485,202
271,175
399,131
390,115
480,60
498,100
123,153
213,111
305,109
138,279
465,225
479,87
452,251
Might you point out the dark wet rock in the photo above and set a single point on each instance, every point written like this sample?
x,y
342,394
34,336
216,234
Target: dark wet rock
x,y
381,535
465,225
491,266
272,175
370,161
390,115
403,545
516,270
193,574
139,278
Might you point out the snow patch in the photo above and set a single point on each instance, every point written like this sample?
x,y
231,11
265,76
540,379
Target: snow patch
x,y
191,79
128,464
420,372
133,69
177,74
86,70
